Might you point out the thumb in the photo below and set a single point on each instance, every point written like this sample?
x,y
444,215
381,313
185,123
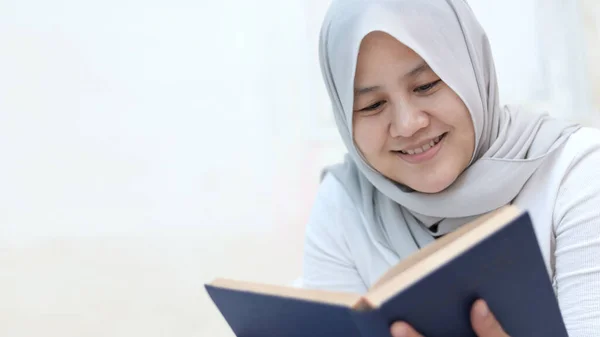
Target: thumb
x,y
483,321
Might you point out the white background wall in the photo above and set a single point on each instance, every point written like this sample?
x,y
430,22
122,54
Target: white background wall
x,y
147,147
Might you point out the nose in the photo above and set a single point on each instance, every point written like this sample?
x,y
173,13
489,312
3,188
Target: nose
x,y
407,119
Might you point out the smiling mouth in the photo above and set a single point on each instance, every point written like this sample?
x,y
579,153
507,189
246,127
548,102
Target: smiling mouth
x,y
425,147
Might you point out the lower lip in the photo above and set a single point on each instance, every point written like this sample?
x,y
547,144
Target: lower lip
x,y
423,156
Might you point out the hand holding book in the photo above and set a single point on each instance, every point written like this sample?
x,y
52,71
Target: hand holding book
x,y
482,320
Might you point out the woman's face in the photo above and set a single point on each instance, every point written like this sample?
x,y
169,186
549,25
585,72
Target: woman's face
x,y
408,124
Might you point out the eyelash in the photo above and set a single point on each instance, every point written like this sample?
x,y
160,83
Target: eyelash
x,y
427,87
374,106
420,90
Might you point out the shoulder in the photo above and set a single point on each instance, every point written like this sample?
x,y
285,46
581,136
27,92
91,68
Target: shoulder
x,y
330,262
332,201
581,151
335,219
580,180
332,193
332,190
581,154
582,143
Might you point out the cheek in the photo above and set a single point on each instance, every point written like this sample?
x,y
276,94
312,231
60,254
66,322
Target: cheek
x,y
451,111
460,120
369,135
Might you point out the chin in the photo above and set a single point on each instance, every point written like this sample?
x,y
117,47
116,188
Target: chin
x,y
431,189
431,186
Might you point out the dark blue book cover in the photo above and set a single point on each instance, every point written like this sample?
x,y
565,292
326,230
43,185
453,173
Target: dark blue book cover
x,y
256,315
506,269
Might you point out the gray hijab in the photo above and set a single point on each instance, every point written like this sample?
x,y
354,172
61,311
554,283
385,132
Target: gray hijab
x,y
510,142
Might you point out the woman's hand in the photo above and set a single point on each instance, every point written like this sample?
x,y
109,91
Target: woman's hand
x,y
482,320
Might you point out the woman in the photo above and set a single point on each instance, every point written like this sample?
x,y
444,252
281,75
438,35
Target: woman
x,y
414,93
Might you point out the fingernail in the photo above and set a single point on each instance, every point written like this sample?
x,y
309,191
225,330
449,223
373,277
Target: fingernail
x,y
482,309
399,330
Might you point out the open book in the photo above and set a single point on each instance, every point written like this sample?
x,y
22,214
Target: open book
x,y
496,258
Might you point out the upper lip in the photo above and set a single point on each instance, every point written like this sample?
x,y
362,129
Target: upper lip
x,y
420,144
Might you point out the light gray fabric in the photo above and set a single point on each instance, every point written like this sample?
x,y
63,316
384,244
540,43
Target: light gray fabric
x,y
510,143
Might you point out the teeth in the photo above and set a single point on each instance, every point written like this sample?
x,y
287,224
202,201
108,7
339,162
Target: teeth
x,y
424,147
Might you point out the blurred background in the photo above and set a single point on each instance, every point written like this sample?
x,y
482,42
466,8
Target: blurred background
x,y
147,147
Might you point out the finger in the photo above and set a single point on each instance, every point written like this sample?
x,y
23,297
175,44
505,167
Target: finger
x,y
401,329
483,321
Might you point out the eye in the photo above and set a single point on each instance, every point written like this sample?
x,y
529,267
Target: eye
x,y
373,106
425,88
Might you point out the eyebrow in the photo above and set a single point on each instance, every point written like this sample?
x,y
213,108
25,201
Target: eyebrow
x,y
420,68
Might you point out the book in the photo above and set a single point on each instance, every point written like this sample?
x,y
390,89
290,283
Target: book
x,y
496,258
